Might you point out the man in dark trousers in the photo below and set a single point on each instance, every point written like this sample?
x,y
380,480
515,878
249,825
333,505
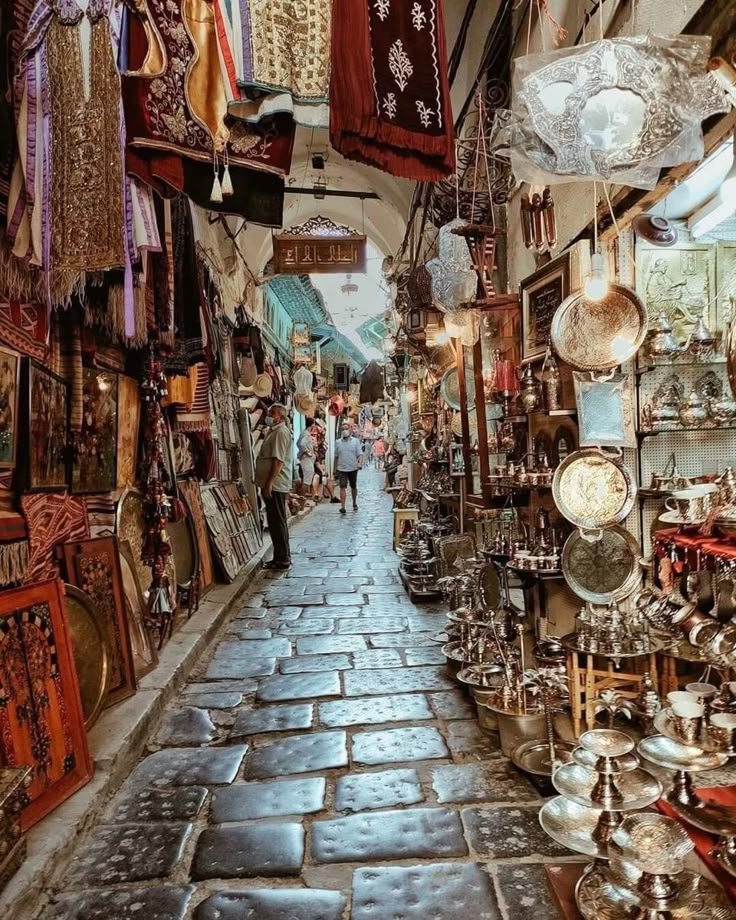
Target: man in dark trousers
x,y
348,460
273,475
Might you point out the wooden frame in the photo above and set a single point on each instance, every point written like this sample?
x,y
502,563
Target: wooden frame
x,y
94,567
143,643
41,720
96,430
10,363
41,415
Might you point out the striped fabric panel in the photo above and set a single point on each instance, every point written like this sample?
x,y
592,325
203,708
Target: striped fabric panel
x,y
100,515
198,417
52,519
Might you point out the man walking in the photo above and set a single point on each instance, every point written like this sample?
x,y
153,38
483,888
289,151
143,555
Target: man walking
x,y
273,476
348,460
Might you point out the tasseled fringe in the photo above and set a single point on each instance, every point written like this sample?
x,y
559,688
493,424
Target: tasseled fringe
x,y
166,338
227,183
114,319
26,283
14,559
199,425
216,193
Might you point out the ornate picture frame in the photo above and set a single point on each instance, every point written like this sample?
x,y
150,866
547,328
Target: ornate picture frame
x,y
129,420
10,362
94,464
46,429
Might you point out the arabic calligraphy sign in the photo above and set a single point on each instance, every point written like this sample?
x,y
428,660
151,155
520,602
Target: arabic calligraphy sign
x,y
306,254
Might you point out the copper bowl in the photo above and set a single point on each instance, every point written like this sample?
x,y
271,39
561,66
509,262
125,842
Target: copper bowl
x,y
655,230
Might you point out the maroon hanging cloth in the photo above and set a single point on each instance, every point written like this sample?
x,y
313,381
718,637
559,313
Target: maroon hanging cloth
x,y
389,94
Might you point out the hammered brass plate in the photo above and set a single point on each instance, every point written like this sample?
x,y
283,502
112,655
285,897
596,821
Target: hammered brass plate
x,y
592,491
145,656
90,652
604,570
594,335
450,390
130,525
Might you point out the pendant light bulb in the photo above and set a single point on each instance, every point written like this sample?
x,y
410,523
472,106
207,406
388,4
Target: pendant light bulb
x,y
596,287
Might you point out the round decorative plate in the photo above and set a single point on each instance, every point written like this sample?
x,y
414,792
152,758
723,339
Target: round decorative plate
x,y
90,652
145,656
130,525
456,425
183,542
593,335
450,390
593,491
604,570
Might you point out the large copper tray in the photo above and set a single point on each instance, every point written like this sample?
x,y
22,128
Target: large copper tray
x,y
90,652
602,570
592,490
450,390
595,335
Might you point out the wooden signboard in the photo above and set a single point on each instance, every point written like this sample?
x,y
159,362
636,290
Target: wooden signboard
x,y
306,255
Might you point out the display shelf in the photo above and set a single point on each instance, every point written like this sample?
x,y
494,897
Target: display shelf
x,y
659,365
682,429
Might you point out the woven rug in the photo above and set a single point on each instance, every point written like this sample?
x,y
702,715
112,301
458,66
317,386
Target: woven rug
x,y
52,519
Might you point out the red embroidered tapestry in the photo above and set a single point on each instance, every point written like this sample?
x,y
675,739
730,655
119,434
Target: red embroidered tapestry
x,y
389,94
52,519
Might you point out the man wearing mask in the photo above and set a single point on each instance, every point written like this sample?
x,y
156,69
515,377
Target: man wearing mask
x,y
273,476
348,460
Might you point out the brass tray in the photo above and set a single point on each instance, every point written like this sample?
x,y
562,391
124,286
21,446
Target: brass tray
x,y
592,490
598,335
145,655
603,570
130,525
183,543
450,390
91,656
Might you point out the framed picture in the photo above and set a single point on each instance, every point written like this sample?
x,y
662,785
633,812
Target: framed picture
x,y
9,389
542,293
94,463
47,430
129,420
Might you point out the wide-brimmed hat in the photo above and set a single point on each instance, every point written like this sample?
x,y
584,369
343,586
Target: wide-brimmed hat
x,y
263,386
305,404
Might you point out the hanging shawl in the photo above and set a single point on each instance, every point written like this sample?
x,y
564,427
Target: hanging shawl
x,y
71,208
175,107
372,383
14,16
277,56
389,94
189,303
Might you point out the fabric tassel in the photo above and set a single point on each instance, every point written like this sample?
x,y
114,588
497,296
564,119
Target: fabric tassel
x,y
227,182
216,194
14,562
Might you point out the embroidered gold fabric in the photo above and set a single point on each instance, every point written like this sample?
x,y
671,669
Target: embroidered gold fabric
x,y
290,42
87,215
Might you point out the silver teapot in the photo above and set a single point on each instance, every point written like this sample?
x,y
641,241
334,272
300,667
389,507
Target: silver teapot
x,y
701,339
693,411
662,341
529,390
722,410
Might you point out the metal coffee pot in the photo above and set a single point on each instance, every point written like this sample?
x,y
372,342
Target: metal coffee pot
x,y
667,407
693,412
701,339
529,390
722,410
662,342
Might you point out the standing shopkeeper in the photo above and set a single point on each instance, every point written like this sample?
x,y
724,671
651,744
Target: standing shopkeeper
x,y
348,460
273,476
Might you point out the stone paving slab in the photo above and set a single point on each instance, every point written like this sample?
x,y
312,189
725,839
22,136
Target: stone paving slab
x,y
240,686
416,657
273,719
454,704
523,891
317,627
327,645
187,726
294,599
496,780
244,629
249,851
395,680
445,891
381,789
371,625
299,754
307,686
189,767
465,737
255,648
159,903
127,853
315,663
272,904
246,801
215,700
509,833
374,710
403,640
143,805
425,833
396,745
234,668
319,613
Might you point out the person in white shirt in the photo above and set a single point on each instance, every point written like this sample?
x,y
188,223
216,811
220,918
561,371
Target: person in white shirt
x,y
348,460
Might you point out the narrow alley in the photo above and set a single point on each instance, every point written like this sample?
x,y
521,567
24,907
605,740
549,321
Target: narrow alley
x,y
321,765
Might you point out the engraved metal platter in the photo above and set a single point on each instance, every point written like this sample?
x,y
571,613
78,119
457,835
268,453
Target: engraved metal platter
x,y
572,826
91,655
638,788
601,896
603,570
589,760
534,756
672,755
450,390
592,491
595,335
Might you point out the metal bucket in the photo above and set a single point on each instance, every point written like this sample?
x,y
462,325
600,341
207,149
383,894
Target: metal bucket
x,y
513,729
487,718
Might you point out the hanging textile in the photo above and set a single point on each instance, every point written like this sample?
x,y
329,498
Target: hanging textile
x,y
372,383
14,16
188,297
175,107
389,93
279,58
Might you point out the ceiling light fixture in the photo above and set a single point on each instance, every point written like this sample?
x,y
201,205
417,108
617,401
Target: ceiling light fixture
x,y
596,286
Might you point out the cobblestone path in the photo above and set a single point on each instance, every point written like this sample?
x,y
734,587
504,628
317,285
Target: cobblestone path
x,y
320,765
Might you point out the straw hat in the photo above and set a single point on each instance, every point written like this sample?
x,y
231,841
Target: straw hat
x,y
263,386
306,405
